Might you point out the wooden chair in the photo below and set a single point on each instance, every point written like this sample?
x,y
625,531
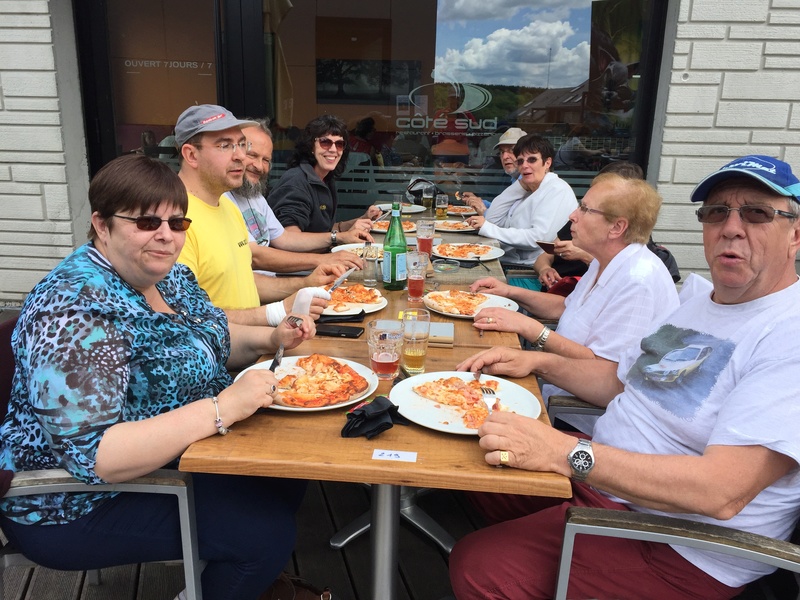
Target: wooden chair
x,y
163,481
670,530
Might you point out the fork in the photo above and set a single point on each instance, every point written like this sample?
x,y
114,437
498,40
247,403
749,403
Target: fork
x,y
294,322
488,393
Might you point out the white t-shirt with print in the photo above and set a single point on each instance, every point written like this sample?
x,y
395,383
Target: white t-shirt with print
x,y
715,374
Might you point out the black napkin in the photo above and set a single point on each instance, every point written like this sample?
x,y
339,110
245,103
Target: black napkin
x,y
372,417
468,264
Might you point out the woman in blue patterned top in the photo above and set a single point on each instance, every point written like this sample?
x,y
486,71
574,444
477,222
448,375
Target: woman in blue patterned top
x,y
121,363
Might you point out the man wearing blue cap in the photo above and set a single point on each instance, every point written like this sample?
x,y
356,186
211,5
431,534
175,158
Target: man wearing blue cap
x,y
701,421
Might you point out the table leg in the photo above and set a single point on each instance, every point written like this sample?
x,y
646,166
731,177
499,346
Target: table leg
x,y
385,532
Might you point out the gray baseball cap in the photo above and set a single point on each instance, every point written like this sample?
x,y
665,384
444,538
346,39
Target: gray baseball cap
x,y
206,117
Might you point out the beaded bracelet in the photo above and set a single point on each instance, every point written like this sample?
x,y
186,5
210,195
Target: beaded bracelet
x,y
218,422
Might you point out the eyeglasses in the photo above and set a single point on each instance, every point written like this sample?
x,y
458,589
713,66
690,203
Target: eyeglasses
x,y
151,223
531,160
326,143
232,146
506,150
585,209
749,213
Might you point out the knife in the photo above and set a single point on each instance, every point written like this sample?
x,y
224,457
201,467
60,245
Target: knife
x,y
381,217
276,362
341,279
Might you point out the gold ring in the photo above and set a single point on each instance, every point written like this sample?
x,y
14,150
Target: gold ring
x,y
503,457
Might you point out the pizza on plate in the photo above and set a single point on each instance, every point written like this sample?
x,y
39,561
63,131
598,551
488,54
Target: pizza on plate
x,y
355,294
459,210
462,250
455,302
465,396
408,226
320,381
454,226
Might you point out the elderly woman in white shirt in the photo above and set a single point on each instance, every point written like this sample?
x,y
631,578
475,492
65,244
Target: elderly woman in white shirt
x,y
626,290
532,208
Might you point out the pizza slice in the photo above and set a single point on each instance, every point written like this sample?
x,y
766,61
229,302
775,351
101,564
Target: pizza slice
x,y
455,302
465,396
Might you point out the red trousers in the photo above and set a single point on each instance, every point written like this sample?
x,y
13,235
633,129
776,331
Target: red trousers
x,y
517,557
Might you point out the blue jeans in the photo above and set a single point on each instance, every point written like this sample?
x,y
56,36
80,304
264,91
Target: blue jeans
x,y
245,528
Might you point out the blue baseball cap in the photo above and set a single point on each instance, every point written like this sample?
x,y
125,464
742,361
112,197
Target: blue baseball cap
x,y
206,117
773,173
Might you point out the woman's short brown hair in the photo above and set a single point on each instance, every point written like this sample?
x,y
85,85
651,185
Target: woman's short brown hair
x,y
134,183
633,199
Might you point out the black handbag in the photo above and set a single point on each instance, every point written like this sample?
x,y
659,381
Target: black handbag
x,y
414,189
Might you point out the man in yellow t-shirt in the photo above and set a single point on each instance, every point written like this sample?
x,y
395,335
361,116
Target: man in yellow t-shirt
x,y
212,150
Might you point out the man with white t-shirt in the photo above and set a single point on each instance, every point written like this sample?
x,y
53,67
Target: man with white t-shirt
x,y
701,421
274,248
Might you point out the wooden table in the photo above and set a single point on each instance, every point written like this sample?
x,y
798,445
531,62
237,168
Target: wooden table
x,y
309,446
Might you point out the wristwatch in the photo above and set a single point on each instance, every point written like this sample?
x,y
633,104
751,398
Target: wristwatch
x,y
581,459
333,237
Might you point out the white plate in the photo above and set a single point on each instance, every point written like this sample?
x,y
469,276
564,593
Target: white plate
x,y
355,308
448,418
441,226
468,212
377,230
491,302
289,363
353,248
405,208
491,255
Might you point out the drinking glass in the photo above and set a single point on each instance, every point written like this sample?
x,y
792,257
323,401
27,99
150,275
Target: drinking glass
x,y
417,323
425,230
385,341
371,272
427,196
441,206
417,265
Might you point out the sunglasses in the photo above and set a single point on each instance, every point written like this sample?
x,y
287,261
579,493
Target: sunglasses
x,y
749,213
531,160
326,143
151,223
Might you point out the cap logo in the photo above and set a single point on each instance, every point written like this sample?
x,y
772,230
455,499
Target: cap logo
x,y
212,119
751,164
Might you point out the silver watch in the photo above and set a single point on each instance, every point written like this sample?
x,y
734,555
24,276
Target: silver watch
x,y
581,460
333,237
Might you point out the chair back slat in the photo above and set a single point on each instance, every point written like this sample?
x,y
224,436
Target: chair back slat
x,y
6,363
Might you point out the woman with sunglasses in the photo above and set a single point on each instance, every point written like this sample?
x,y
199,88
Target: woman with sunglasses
x,y
532,208
305,197
121,363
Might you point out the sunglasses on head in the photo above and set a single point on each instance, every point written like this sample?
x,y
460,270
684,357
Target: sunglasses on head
x,y
749,213
531,160
326,143
151,223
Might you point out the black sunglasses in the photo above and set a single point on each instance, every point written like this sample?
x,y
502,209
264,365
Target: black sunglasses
x,y
749,213
151,223
326,143
531,160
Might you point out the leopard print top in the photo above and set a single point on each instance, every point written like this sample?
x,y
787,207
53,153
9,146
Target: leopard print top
x,y
90,352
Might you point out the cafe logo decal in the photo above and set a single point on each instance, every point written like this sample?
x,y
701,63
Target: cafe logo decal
x,y
472,99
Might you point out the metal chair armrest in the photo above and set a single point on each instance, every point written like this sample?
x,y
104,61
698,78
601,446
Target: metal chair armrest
x,y
560,405
671,530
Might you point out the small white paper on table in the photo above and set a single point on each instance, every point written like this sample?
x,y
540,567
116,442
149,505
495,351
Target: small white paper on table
x,y
400,455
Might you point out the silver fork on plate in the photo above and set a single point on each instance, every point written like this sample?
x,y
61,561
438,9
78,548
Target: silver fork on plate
x,y
488,393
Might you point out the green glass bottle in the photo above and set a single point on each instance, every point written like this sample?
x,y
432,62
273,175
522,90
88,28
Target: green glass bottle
x,y
394,252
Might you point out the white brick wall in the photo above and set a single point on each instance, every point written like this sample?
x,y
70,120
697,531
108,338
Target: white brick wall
x,y
733,88
730,86
38,221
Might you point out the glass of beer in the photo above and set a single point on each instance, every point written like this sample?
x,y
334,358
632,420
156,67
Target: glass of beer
x,y
385,341
417,327
441,206
425,230
427,196
417,265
